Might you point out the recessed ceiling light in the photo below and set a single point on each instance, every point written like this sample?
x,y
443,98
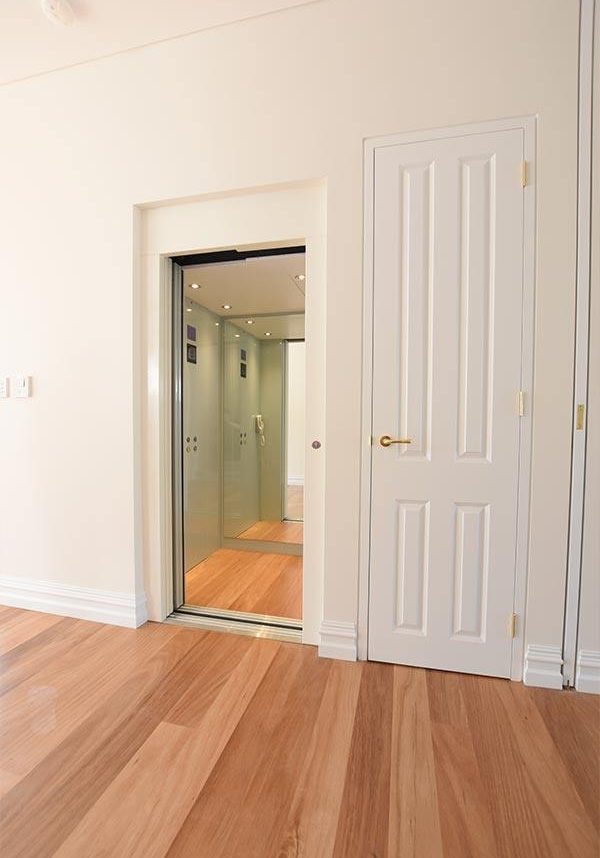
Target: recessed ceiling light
x,y
195,285
249,321
236,335
226,306
189,309
300,278
217,324
267,333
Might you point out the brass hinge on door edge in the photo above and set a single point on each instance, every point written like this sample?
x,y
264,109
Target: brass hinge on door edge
x,y
524,174
521,403
512,625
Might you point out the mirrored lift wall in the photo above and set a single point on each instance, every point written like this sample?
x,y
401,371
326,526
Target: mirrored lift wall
x,y
242,356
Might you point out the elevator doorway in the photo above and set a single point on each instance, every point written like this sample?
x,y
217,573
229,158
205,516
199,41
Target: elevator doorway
x,y
238,429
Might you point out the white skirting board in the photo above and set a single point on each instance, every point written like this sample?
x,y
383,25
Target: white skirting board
x,y
543,667
82,603
295,481
587,675
543,664
338,640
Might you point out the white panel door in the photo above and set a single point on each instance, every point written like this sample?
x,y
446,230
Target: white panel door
x,y
448,256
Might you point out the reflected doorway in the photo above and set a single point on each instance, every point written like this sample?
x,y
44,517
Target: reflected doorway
x,y
239,406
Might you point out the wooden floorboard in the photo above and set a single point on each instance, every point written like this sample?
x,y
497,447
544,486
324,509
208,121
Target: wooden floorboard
x,y
257,770
33,654
249,581
171,741
414,820
20,627
364,813
574,723
514,818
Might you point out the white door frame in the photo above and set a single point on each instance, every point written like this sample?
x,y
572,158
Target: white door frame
x,y
582,316
275,215
528,125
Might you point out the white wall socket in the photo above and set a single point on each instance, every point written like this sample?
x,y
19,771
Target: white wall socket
x,y
4,387
20,386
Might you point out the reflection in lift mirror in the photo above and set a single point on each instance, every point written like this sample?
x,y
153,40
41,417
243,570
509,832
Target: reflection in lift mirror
x,y
239,358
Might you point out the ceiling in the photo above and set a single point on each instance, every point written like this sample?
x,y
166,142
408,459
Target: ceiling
x,y
30,44
279,327
259,286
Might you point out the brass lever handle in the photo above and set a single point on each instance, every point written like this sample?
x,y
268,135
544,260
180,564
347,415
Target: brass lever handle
x,y
386,441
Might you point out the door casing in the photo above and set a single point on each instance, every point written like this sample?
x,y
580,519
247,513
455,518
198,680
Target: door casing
x,y
528,126
280,215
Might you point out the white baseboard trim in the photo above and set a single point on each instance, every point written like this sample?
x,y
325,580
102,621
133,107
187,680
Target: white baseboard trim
x,y
295,481
587,675
82,603
338,640
543,667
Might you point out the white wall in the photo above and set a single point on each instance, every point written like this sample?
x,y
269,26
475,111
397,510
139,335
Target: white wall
x,y
29,45
280,98
296,408
589,620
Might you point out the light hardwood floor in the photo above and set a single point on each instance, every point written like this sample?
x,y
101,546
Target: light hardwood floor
x,y
249,581
173,742
275,531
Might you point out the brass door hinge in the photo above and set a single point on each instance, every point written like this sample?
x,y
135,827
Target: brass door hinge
x,y
524,174
512,625
580,421
521,403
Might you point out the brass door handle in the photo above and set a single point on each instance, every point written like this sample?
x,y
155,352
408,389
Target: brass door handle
x,y
386,441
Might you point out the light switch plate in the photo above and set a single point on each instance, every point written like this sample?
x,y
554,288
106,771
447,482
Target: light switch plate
x,y
4,387
20,386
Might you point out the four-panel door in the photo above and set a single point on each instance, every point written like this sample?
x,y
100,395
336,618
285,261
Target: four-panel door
x,y
448,278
